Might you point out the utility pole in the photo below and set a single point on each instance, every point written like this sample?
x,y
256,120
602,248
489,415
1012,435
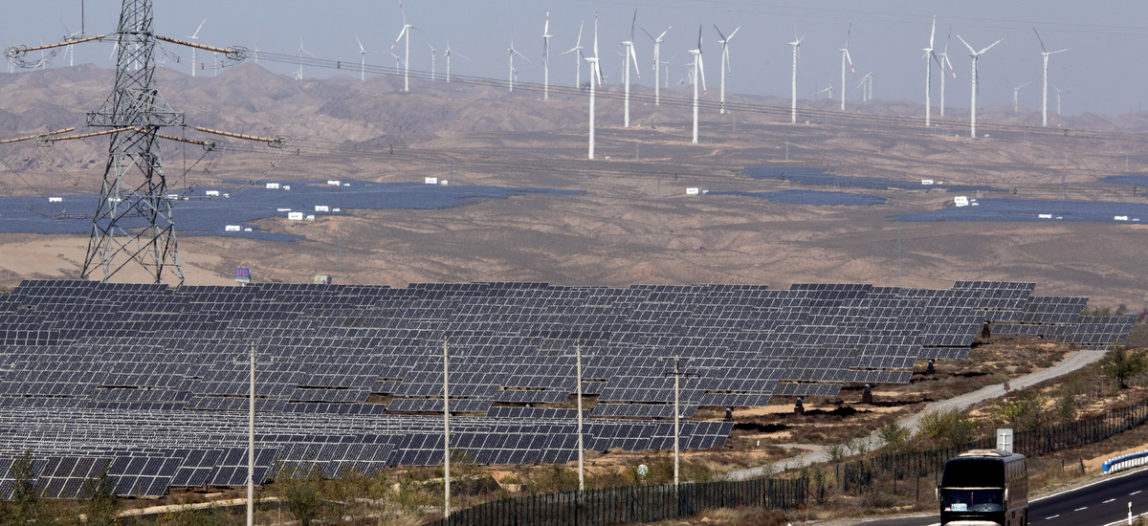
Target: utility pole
x,y
581,447
445,430
251,445
677,373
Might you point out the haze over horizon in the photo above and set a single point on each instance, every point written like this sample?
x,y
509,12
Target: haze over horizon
x,y
887,39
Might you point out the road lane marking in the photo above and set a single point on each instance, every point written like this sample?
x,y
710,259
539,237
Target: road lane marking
x,y
1082,508
1133,493
1052,517
1109,500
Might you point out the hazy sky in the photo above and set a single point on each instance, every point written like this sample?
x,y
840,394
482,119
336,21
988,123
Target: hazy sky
x,y
1103,72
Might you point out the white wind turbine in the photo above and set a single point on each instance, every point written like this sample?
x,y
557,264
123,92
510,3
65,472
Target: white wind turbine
x,y
976,55
827,91
631,60
302,51
1044,54
362,59
546,58
1057,100
1016,96
930,56
699,73
796,45
943,56
448,54
595,77
725,65
406,31
866,87
71,51
658,63
845,57
510,52
433,60
194,38
577,49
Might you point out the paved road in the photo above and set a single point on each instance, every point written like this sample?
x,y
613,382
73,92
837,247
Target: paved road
x,y
1072,362
1103,502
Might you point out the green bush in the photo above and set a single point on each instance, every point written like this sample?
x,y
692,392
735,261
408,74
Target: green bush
x,y
1121,364
950,428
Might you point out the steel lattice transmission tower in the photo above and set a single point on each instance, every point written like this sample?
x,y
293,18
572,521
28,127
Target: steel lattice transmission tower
x,y
133,220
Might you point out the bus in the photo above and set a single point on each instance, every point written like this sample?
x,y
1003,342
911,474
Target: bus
x,y
984,487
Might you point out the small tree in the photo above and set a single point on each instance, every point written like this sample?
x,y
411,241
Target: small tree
x,y
102,506
301,495
1120,365
24,494
950,428
895,436
1024,412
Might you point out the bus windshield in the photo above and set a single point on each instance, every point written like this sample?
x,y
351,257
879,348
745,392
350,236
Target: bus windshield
x,y
977,500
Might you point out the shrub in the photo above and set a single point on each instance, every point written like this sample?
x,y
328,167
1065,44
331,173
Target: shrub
x,y
948,428
1120,365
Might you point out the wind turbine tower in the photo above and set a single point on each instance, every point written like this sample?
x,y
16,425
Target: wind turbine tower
x,y
578,57
976,55
944,60
433,60
1044,54
362,59
930,56
725,65
631,60
796,45
699,73
845,57
449,53
1016,96
406,31
546,58
658,63
510,52
595,77
194,38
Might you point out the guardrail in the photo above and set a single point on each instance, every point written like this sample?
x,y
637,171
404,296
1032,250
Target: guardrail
x,y
1123,462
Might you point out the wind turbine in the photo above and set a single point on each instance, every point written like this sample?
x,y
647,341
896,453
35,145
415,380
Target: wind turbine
x,y
976,55
510,52
302,51
362,59
866,86
944,61
71,51
406,31
1016,96
546,58
658,63
595,76
1044,54
448,54
796,45
1058,100
828,91
930,57
194,38
699,73
845,57
631,60
725,65
433,60
579,56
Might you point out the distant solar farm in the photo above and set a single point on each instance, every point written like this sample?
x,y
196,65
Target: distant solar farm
x,y
152,382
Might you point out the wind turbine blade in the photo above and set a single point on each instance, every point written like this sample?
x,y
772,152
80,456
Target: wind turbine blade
x,y
738,28
579,44
990,46
400,37
663,35
195,35
720,34
596,37
597,71
971,50
634,62
938,61
1058,51
546,28
932,32
1038,39
848,33
647,33
633,24
951,68
699,39
849,59
403,11
362,49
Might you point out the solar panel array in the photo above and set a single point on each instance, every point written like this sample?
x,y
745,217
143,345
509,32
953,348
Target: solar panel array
x,y
152,382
